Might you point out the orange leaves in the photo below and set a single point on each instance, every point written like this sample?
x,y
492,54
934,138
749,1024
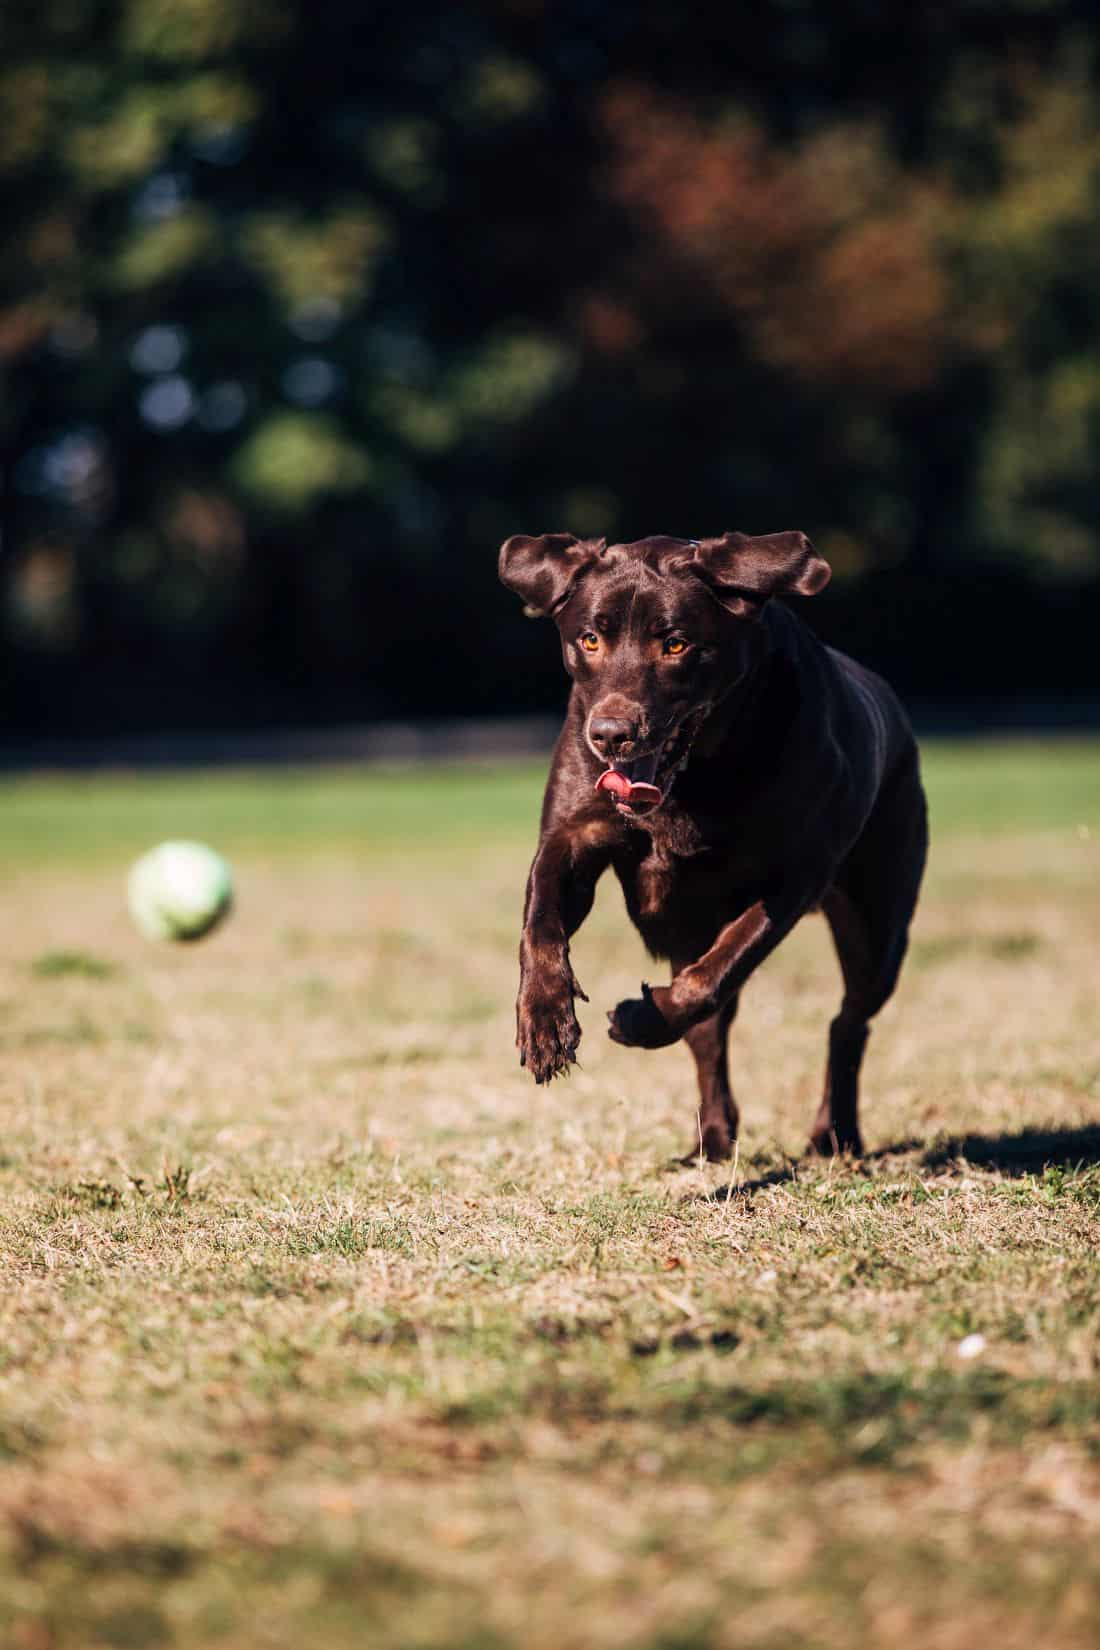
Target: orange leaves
x,y
824,252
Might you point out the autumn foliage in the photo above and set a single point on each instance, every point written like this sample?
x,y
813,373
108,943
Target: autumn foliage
x,y
823,253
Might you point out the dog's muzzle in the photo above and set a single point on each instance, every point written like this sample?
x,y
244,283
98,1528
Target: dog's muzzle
x,y
630,784
633,785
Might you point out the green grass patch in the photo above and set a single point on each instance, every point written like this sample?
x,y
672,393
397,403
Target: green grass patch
x,y
117,816
998,786
60,965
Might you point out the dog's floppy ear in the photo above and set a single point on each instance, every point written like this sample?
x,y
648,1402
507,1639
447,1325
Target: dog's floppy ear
x,y
743,573
543,568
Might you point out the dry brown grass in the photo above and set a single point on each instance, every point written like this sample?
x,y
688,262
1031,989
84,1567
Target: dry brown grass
x,y
321,1325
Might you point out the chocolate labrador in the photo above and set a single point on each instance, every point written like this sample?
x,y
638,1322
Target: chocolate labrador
x,y
735,773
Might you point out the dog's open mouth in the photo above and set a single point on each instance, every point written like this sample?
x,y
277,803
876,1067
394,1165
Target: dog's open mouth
x,y
640,785
631,783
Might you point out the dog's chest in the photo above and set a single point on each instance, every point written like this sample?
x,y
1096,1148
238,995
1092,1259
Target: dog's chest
x,y
667,903
654,884
678,892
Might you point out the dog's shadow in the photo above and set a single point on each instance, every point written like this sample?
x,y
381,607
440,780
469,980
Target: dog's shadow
x,y
1028,1152
1031,1151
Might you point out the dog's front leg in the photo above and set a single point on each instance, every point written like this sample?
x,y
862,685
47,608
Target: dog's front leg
x,y
663,1013
560,890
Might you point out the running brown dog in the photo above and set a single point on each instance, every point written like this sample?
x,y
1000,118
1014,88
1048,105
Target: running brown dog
x,y
735,773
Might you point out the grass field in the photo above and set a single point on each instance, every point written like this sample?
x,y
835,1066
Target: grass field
x,y
323,1327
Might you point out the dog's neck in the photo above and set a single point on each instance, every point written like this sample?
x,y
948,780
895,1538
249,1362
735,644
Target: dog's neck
x,y
733,718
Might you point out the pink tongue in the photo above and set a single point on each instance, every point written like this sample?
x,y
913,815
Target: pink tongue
x,y
625,790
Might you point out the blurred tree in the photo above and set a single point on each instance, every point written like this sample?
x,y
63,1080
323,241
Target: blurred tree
x,y
303,309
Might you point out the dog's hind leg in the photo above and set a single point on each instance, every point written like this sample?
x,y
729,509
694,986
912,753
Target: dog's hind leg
x,y
717,1118
869,909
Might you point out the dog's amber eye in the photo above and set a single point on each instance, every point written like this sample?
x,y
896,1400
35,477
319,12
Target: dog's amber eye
x,y
590,641
675,644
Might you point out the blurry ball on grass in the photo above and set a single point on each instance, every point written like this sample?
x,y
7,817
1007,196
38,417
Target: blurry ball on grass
x,y
179,891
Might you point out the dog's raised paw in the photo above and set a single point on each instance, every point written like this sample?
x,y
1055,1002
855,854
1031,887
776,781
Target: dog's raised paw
x,y
638,1023
547,1039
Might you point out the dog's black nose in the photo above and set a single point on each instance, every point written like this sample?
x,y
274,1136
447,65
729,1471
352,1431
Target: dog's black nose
x,y
612,735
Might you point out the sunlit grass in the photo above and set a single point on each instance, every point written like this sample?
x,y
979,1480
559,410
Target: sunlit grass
x,y
321,1325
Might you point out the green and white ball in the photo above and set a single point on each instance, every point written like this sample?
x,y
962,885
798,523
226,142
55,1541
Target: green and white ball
x,y
179,891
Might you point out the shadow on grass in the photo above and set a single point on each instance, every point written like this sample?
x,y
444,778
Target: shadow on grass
x,y
790,1170
1030,1151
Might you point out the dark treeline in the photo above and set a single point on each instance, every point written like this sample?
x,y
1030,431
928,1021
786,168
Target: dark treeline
x,y
304,308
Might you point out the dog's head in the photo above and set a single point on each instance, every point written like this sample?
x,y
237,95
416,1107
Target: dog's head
x,y
654,634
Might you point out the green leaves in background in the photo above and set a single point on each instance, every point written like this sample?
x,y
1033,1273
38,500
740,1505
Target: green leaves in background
x,y
409,280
